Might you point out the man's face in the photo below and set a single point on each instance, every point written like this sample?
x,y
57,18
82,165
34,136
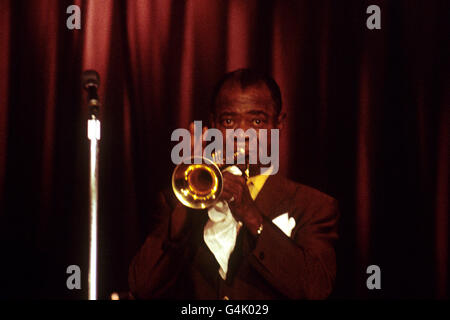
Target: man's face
x,y
252,107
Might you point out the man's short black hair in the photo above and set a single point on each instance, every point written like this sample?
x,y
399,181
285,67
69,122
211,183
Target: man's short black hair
x,y
247,78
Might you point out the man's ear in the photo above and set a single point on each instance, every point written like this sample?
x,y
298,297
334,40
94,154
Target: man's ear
x,y
281,120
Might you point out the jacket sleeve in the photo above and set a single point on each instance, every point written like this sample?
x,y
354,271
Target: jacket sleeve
x,y
304,266
156,268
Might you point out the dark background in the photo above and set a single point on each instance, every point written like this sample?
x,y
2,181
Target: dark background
x,y
368,115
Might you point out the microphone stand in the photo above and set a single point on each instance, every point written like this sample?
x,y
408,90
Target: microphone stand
x,y
93,134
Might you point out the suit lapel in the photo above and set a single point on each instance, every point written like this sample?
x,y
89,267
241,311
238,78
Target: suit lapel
x,y
275,197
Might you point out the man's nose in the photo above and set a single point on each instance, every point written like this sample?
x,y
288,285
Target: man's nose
x,y
241,133
244,125
246,134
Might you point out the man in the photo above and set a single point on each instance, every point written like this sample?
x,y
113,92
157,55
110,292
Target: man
x,y
274,238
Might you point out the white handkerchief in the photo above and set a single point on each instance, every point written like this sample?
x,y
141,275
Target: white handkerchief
x,y
221,231
285,223
220,234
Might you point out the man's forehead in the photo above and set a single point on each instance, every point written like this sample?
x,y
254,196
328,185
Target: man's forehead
x,y
256,96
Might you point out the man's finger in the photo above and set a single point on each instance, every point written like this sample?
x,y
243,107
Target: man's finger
x,y
203,137
233,186
191,130
232,189
227,176
226,195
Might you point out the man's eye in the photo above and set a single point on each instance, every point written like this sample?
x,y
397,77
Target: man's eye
x,y
227,122
257,121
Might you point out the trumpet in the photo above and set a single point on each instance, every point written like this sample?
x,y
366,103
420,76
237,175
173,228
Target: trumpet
x,y
199,186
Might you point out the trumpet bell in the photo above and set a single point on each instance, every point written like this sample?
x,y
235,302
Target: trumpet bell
x,y
197,186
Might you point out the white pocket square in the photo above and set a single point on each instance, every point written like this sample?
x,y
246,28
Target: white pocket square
x,y
285,223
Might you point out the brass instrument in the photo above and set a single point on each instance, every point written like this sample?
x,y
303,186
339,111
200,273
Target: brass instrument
x,y
199,186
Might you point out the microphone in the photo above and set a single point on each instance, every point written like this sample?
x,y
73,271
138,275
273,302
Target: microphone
x,y
91,81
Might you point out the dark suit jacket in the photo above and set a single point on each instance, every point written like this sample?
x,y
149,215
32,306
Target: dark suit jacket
x,y
272,266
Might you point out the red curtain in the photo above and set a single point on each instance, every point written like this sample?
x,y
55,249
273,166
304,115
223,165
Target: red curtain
x,y
367,123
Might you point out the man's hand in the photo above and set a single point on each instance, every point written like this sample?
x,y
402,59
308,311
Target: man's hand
x,y
242,206
235,192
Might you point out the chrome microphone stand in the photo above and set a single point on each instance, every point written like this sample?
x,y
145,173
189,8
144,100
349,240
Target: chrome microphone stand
x,y
94,137
91,81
